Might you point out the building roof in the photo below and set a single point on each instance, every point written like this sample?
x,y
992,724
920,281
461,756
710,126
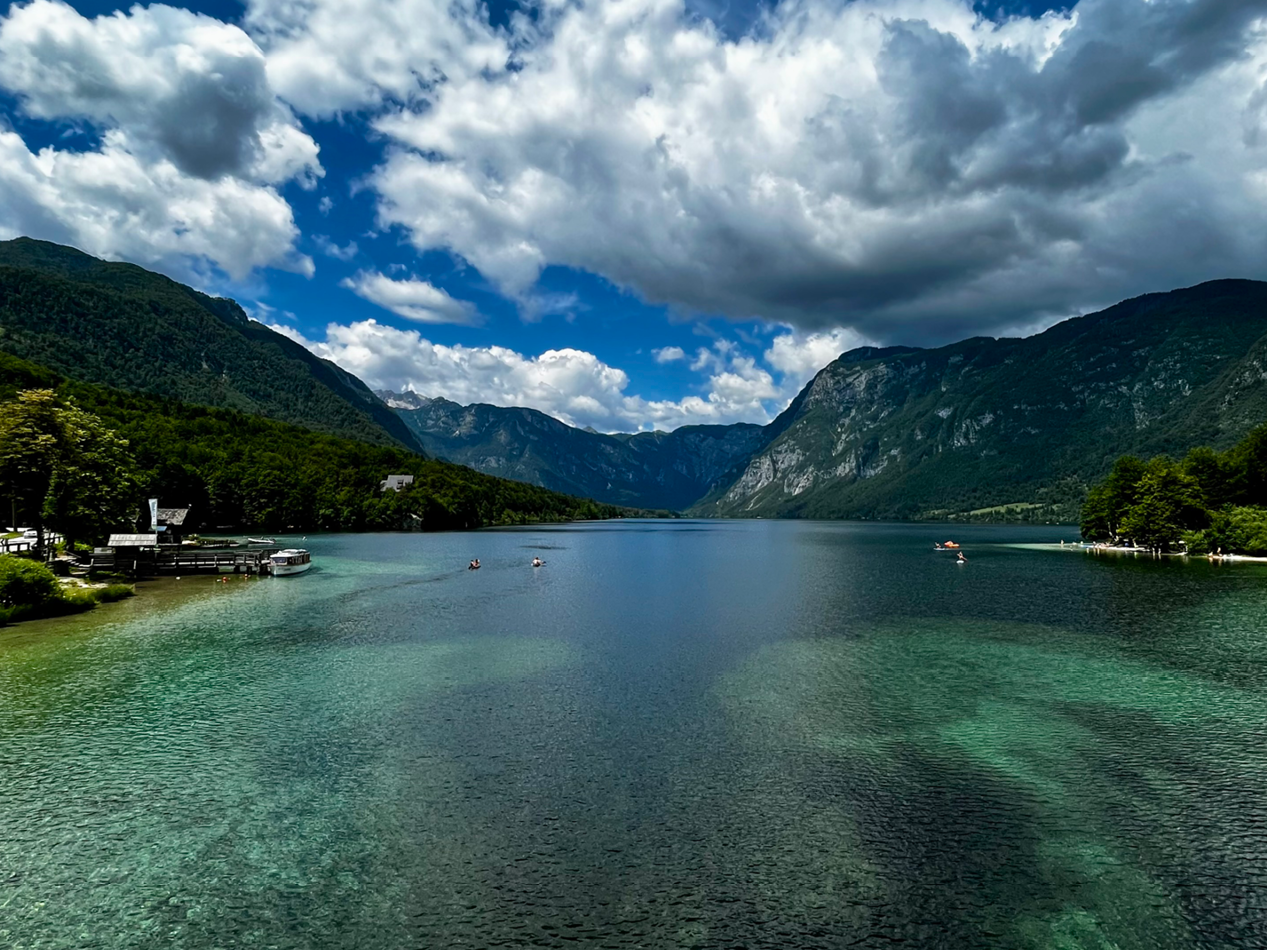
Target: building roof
x,y
132,540
172,516
396,482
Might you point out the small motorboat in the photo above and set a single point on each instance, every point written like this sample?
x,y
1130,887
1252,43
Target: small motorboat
x,y
261,540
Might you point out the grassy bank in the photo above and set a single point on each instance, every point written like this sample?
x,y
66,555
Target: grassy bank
x,y
29,591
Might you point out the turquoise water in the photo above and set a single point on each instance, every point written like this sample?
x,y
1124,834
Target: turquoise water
x,y
675,734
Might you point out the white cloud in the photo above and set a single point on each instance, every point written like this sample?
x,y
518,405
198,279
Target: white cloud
x,y
329,248
182,87
569,384
668,354
799,356
412,298
331,56
713,358
112,204
193,142
904,167
536,306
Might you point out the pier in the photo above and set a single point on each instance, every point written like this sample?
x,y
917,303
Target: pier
x,y
148,562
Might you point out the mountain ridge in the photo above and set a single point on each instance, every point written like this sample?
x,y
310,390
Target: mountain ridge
x,y
987,422
121,325
980,427
643,469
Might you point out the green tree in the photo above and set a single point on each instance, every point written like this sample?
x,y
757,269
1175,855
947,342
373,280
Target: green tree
x,y
1238,530
63,467
1248,462
1108,501
1214,474
1168,502
26,587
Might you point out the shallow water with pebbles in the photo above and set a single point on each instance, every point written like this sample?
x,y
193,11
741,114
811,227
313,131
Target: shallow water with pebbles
x,y
674,734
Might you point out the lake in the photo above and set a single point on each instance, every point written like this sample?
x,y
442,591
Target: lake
x,y
674,734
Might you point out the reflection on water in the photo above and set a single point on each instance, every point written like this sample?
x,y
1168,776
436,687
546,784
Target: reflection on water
x,y
727,734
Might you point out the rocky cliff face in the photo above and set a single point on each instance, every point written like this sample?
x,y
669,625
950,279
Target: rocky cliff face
x,y
897,432
984,423
648,469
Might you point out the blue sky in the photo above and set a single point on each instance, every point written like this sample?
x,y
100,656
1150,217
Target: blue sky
x,y
640,214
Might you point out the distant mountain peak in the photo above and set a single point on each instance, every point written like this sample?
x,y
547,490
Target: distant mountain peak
x,y
646,469
406,400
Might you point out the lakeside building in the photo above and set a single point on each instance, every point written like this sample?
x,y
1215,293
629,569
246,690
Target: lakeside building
x,y
395,482
167,523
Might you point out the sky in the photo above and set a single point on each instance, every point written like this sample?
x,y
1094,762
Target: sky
x,y
638,214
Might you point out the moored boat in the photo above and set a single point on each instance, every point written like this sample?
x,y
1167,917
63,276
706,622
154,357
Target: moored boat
x,y
290,561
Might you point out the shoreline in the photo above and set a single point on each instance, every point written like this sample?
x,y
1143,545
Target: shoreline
x,y
1111,549
155,594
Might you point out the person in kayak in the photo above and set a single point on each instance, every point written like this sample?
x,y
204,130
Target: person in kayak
x,y
537,562
474,565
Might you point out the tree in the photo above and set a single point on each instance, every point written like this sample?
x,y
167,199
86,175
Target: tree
x,y
1214,473
1248,460
64,468
1108,501
1168,503
1241,530
26,586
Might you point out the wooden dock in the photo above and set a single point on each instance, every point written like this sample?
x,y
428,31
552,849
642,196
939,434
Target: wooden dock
x,y
183,560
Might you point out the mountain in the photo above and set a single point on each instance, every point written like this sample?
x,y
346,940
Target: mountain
x,y
235,470
989,428
983,428
646,469
125,327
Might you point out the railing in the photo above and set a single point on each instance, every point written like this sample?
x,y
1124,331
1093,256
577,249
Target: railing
x,y
23,545
184,561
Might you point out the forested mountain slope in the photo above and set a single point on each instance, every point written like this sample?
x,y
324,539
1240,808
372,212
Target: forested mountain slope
x,y
235,470
903,433
648,469
125,327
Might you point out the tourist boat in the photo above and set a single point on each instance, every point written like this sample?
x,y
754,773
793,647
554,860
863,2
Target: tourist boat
x,y
290,561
